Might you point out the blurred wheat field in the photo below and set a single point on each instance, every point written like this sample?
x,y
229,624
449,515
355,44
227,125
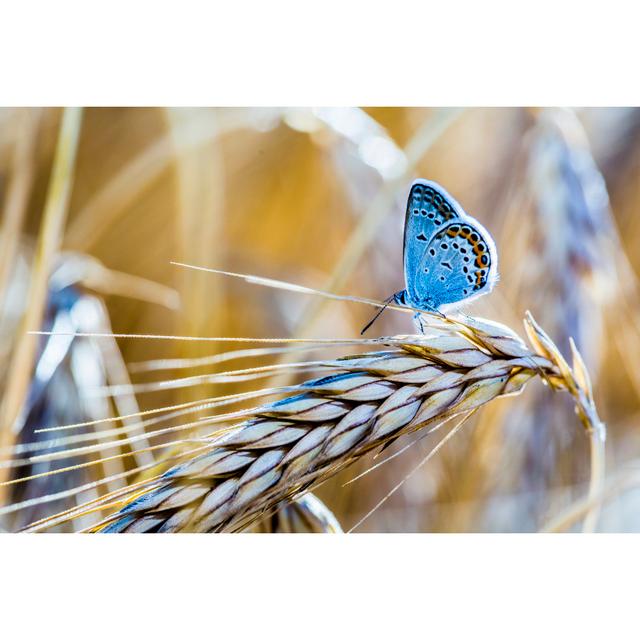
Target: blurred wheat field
x,y
97,203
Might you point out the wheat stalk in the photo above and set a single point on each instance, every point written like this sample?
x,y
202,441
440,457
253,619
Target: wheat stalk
x,y
362,404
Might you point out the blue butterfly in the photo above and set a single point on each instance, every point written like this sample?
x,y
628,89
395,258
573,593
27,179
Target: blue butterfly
x,y
449,257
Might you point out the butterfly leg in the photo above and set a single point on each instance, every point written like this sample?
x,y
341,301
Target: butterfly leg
x,y
396,297
417,319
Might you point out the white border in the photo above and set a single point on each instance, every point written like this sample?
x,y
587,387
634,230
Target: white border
x,y
191,52
296,586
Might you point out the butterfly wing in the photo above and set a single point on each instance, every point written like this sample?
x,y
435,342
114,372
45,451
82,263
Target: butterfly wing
x,y
460,263
429,208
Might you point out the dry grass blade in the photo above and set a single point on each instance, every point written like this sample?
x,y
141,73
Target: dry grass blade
x,y
363,403
49,241
619,483
18,194
97,277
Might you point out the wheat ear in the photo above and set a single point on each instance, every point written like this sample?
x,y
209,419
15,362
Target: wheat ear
x,y
362,404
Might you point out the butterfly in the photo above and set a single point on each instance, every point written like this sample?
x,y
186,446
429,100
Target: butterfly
x,y
449,257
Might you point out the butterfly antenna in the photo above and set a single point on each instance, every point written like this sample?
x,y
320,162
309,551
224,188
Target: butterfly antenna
x,y
387,302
